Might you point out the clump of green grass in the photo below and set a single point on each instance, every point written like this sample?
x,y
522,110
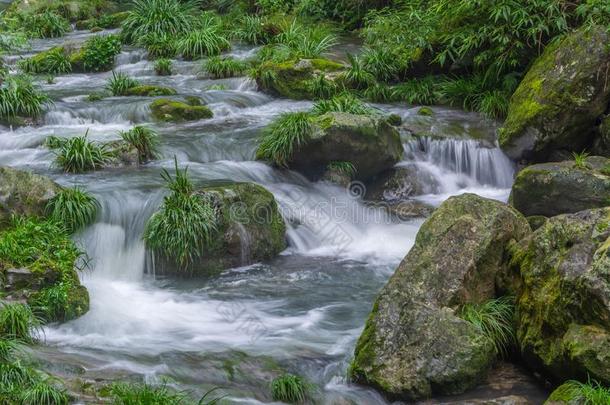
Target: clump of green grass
x,y
185,224
53,61
18,322
78,155
356,76
289,388
494,320
45,25
8,350
580,160
251,30
203,42
379,93
73,207
346,103
163,67
345,168
97,54
422,91
141,394
576,392
288,131
321,87
171,17
45,392
226,67
19,98
120,83
145,140
381,63
159,45
14,377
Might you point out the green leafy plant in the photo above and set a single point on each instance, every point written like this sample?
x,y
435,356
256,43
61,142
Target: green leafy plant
x,y
163,67
251,30
120,83
288,131
14,376
345,102
145,140
17,321
45,25
143,394
159,45
44,392
8,350
185,224
97,54
381,63
422,91
576,392
171,17
289,388
321,87
19,98
224,67
206,41
356,76
580,160
494,320
54,61
379,93
73,207
78,154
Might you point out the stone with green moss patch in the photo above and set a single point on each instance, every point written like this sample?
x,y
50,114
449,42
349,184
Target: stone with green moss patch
x,y
249,225
24,193
413,345
292,79
551,189
563,311
148,90
164,109
558,103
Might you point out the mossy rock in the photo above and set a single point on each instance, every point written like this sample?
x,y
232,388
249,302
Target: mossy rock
x,y
250,229
164,109
369,143
425,111
147,90
45,61
563,311
292,79
551,189
401,183
560,100
413,344
24,193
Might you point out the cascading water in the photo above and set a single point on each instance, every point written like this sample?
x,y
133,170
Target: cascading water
x,y
302,311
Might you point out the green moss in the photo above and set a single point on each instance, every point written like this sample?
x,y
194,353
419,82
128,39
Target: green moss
x,y
364,354
425,111
146,90
176,111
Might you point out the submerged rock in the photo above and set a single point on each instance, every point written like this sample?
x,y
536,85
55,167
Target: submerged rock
x,y
293,79
24,193
250,229
401,183
369,143
563,311
164,109
562,97
551,189
413,344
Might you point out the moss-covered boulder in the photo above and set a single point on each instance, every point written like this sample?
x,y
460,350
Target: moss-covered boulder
x,y
551,189
563,312
148,90
413,344
559,102
38,266
369,143
164,109
24,193
249,229
294,79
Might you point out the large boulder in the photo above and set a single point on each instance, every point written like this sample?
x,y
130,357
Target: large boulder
x,y
24,193
559,102
369,143
293,79
413,344
563,311
250,229
551,189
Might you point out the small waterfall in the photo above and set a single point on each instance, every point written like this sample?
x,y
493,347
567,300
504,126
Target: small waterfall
x,y
488,166
106,112
244,241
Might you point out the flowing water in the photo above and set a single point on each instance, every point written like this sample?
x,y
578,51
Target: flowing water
x,y
300,312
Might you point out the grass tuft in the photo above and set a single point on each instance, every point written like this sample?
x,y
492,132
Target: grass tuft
x,y
120,83
575,392
145,140
18,322
289,388
580,160
19,98
78,154
73,207
44,392
163,67
494,320
288,131
226,67
171,17
346,103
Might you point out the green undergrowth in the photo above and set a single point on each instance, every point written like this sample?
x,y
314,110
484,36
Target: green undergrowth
x,y
290,388
575,392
